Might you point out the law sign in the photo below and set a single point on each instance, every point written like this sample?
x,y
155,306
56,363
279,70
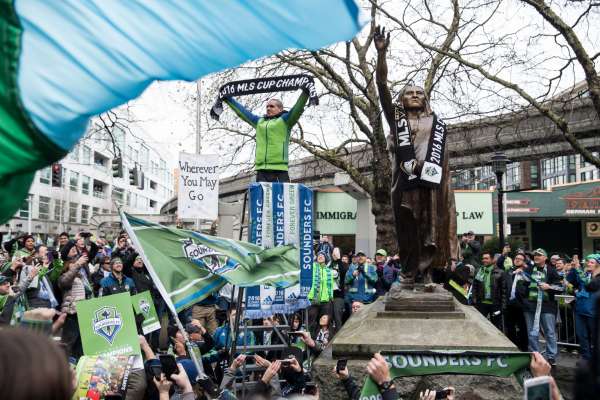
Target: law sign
x,y
198,189
474,212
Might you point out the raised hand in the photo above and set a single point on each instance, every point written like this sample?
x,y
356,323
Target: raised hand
x,y
380,39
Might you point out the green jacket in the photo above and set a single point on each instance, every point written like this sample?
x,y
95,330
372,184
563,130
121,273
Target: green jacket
x,y
272,133
322,284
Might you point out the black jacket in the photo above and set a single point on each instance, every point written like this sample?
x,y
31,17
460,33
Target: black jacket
x,y
497,288
342,268
549,303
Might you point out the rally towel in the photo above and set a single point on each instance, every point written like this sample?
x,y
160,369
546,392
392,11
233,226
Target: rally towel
x,y
404,152
188,266
265,85
63,62
281,214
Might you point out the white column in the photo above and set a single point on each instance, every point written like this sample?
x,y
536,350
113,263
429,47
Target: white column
x,y
366,230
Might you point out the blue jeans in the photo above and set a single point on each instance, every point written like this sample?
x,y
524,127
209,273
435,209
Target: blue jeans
x,y
584,326
548,325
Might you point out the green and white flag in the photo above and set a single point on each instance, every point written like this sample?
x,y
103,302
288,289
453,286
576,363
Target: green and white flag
x,y
144,305
188,266
107,326
62,62
421,363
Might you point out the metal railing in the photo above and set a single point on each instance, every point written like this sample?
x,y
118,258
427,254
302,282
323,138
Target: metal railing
x,y
565,322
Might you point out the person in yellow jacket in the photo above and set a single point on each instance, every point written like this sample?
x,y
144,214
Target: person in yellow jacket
x,y
321,291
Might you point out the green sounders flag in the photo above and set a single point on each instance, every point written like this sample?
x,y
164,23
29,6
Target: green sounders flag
x,y
144,305
459,363
188,266
107,326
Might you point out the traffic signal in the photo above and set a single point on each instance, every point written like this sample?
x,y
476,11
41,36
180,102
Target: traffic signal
x,y
56,175
133,176
117,167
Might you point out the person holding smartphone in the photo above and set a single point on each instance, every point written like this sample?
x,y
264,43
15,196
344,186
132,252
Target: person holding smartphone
x,y
180,380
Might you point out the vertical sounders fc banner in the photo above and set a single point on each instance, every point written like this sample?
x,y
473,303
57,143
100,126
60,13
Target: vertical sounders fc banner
x,y
281,213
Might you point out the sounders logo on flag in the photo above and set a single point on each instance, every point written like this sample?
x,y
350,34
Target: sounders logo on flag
x,y
106,323
145,307
201,254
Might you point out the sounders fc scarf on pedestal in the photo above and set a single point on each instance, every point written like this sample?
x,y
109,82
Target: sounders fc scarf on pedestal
x,y
265,85
431,173
458,363
281,214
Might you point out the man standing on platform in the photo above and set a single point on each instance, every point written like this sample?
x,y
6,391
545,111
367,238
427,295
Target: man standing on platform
x,y
272,136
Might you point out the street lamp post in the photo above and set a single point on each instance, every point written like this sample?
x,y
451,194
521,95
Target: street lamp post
x,y
499,161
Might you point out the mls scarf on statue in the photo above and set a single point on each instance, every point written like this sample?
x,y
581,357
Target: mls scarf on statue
x,y
188,266
405,158
63,62
281,214
265,85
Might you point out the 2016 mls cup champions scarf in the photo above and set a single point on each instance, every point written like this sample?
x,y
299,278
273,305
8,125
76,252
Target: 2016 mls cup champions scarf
x,y
281,214
421,363
432,170
265,85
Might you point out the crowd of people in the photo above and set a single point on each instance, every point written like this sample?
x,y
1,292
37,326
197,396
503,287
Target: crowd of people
x,y
40,287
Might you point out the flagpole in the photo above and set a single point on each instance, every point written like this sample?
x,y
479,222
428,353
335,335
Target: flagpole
x,y
164,294
238,307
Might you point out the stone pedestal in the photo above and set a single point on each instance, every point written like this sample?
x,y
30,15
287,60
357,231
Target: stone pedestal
x,y
415,320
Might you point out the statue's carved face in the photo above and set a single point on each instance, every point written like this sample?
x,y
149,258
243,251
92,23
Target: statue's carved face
x,y
413,98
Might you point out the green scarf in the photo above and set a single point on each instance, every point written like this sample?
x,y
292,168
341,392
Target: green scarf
x,y
322,287
484,275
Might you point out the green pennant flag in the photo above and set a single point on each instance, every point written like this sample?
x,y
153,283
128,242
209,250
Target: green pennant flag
x,y
459,363
188,266
107,326
144,305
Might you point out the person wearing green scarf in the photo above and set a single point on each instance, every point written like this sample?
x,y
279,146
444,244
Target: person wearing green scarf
x,y
488,290
321,291
584,302
540,283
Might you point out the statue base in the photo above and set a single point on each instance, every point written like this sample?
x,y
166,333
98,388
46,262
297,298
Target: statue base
x,y
424,317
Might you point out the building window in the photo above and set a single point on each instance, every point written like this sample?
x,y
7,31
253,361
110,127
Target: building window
x,y
46,175
85,214
95,211
86,155
24,209
58,207
105,211
73,212
85,184
152,204
117,194
74,181
44,207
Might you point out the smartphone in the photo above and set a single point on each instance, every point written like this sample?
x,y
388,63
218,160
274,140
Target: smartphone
x,y
441,394
538,388
341,365
168,365
249,358
286,362
296,333
156,371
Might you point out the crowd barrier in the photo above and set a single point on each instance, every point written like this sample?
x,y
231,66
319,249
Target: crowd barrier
x,y
565,322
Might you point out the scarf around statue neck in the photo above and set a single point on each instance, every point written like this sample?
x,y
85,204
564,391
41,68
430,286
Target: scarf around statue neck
x,y
404,152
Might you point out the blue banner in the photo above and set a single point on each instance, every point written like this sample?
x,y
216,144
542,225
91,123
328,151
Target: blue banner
x,y
281,214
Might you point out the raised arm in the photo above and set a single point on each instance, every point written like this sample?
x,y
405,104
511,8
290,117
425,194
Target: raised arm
x,y
294,114
242,112
382,42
